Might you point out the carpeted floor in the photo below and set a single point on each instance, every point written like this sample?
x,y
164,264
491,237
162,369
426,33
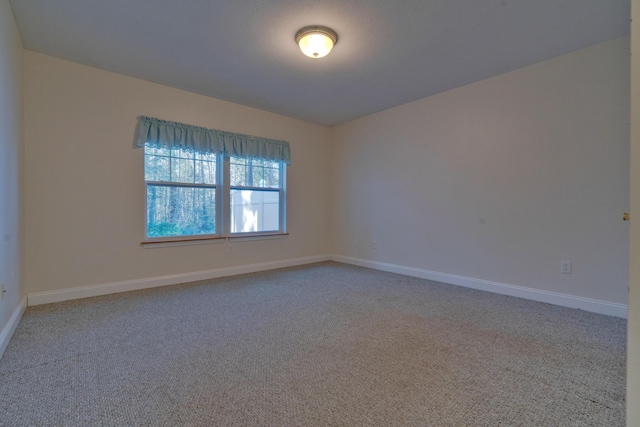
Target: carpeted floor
x,y
325,344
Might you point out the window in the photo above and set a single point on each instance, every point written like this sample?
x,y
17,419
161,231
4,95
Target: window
x,y
182,192
187,194
207,183
256,195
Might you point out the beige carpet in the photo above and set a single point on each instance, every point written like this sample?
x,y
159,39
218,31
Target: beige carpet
x,y
326,344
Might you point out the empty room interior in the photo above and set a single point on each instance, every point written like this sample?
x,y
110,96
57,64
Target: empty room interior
x,y
206,219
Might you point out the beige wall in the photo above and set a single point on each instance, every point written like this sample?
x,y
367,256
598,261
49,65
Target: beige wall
x,y
85,196
10,163
633,325
499,180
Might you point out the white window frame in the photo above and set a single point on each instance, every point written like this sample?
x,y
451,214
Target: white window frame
x,y
223,205
282,200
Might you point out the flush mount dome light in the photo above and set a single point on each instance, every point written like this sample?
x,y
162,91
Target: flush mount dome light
x,y
316,41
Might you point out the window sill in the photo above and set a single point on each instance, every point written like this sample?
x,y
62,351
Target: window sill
x,y
189,241
257,236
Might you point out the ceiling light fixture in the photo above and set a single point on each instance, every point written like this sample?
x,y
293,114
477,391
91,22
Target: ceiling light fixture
x,y
316,41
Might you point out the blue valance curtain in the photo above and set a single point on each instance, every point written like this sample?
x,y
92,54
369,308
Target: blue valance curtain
x,y
173,135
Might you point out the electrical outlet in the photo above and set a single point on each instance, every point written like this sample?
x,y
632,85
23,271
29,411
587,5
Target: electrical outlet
x,y
565,267
375,244
230,248
355,241
2,292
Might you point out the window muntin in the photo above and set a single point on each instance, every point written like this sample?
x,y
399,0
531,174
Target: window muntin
x,y
185,195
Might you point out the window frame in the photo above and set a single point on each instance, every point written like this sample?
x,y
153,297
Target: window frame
x,y
281,190
223,189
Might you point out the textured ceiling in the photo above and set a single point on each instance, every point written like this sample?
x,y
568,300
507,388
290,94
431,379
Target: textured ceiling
x,y
388,53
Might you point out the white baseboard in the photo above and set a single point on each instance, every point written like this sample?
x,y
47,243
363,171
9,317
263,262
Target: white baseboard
x,y
572,301
565,300
10,327
152,282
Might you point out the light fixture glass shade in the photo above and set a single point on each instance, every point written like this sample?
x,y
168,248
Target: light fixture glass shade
x,y
316,41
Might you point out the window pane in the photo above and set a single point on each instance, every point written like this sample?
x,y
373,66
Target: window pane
x,y
156,168
254,211
156,151
205,172
254,173
210,157
182,154
238,172
182,170
180,211
268,175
